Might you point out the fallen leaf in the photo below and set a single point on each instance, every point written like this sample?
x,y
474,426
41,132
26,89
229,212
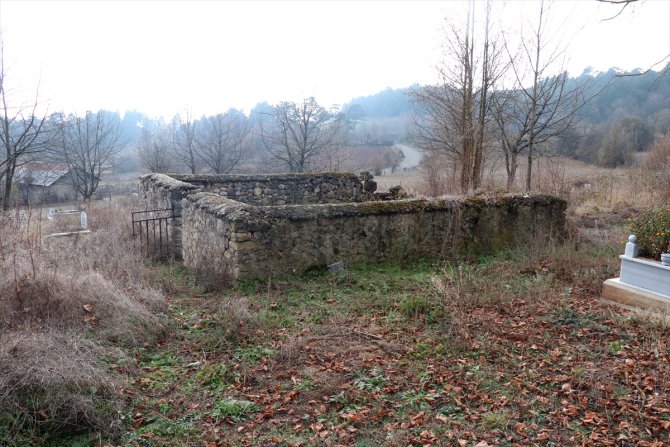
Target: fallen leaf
x,y
442,418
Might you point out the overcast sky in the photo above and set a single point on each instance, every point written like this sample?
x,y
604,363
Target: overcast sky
x,y
160,57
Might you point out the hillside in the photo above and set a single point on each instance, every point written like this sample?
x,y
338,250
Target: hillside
x,y
621,115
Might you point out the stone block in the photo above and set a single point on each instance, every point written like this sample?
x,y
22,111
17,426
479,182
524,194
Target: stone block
x,y
242,236
243,246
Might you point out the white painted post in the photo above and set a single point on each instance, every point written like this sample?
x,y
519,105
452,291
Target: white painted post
x,y
632,249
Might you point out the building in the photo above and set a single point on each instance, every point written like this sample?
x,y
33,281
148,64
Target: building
x,y
44,183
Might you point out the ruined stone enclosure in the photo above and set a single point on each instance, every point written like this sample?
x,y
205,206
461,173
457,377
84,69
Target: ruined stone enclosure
x,y
256,226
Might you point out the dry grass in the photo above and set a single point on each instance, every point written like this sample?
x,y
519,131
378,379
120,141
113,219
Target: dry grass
x,y
65,302
95,281
52,381
657,167
587,188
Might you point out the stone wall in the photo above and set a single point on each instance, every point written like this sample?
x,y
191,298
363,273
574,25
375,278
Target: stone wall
x,y
159,191
226,237
281,189
166,191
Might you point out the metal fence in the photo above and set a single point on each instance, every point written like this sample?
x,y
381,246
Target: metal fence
x,y
154,229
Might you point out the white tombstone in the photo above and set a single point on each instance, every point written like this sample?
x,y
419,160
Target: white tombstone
x,y
84,220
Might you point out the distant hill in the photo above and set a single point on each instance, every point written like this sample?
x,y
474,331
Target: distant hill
x,y
389,103
624,114
644,95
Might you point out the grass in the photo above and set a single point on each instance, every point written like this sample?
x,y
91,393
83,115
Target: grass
x,y
400,353
234,409
510,349
72,311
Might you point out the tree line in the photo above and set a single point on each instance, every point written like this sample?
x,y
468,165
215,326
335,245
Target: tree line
x,y
495,99
288,137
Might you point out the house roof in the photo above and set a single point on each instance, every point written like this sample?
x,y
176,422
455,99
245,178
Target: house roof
x,y
40,174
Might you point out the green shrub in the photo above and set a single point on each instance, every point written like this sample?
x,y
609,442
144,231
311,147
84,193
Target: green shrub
x,y
653,231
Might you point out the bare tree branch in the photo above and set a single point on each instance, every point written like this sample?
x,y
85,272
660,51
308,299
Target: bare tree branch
x,y
538,107
222,141
155,148
23,133
298,135
623,3
454,117
89,144
184,141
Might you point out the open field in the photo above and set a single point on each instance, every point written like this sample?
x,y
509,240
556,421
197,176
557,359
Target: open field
x,y
100,347
589,189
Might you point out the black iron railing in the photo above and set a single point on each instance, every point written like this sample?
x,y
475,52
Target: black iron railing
x,y
155,230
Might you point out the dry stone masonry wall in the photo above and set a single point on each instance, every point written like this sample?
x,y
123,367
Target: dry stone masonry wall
x,y
158,191
250,242
223,236
161,191
282,189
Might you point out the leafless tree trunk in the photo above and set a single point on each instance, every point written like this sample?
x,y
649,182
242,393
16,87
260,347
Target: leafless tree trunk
x,y
299,134
538,107
88,145
222,140
22,134
454,116
154,149
184,141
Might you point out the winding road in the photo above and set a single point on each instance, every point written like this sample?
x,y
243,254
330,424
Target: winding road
x,y
412,156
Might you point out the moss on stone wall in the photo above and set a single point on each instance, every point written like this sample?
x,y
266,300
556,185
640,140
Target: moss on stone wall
x,y
282,239
249,240
221,178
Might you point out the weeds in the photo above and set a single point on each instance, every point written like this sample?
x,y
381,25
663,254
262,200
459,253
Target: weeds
x,y
508,349
234,409
495,421
68,303
53,382
373,380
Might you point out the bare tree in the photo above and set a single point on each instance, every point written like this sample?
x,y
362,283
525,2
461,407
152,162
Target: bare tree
x,y
298,135
539,106
454,116
89,144
222,140
23,134
184,141
155,148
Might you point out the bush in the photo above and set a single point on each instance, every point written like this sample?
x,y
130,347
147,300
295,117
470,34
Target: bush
x,y
652,231
52,382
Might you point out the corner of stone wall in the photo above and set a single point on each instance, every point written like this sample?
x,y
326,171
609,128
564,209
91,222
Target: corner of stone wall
x,y
211,238
161,191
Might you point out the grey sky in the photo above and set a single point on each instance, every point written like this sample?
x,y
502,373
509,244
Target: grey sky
x,y
162,56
